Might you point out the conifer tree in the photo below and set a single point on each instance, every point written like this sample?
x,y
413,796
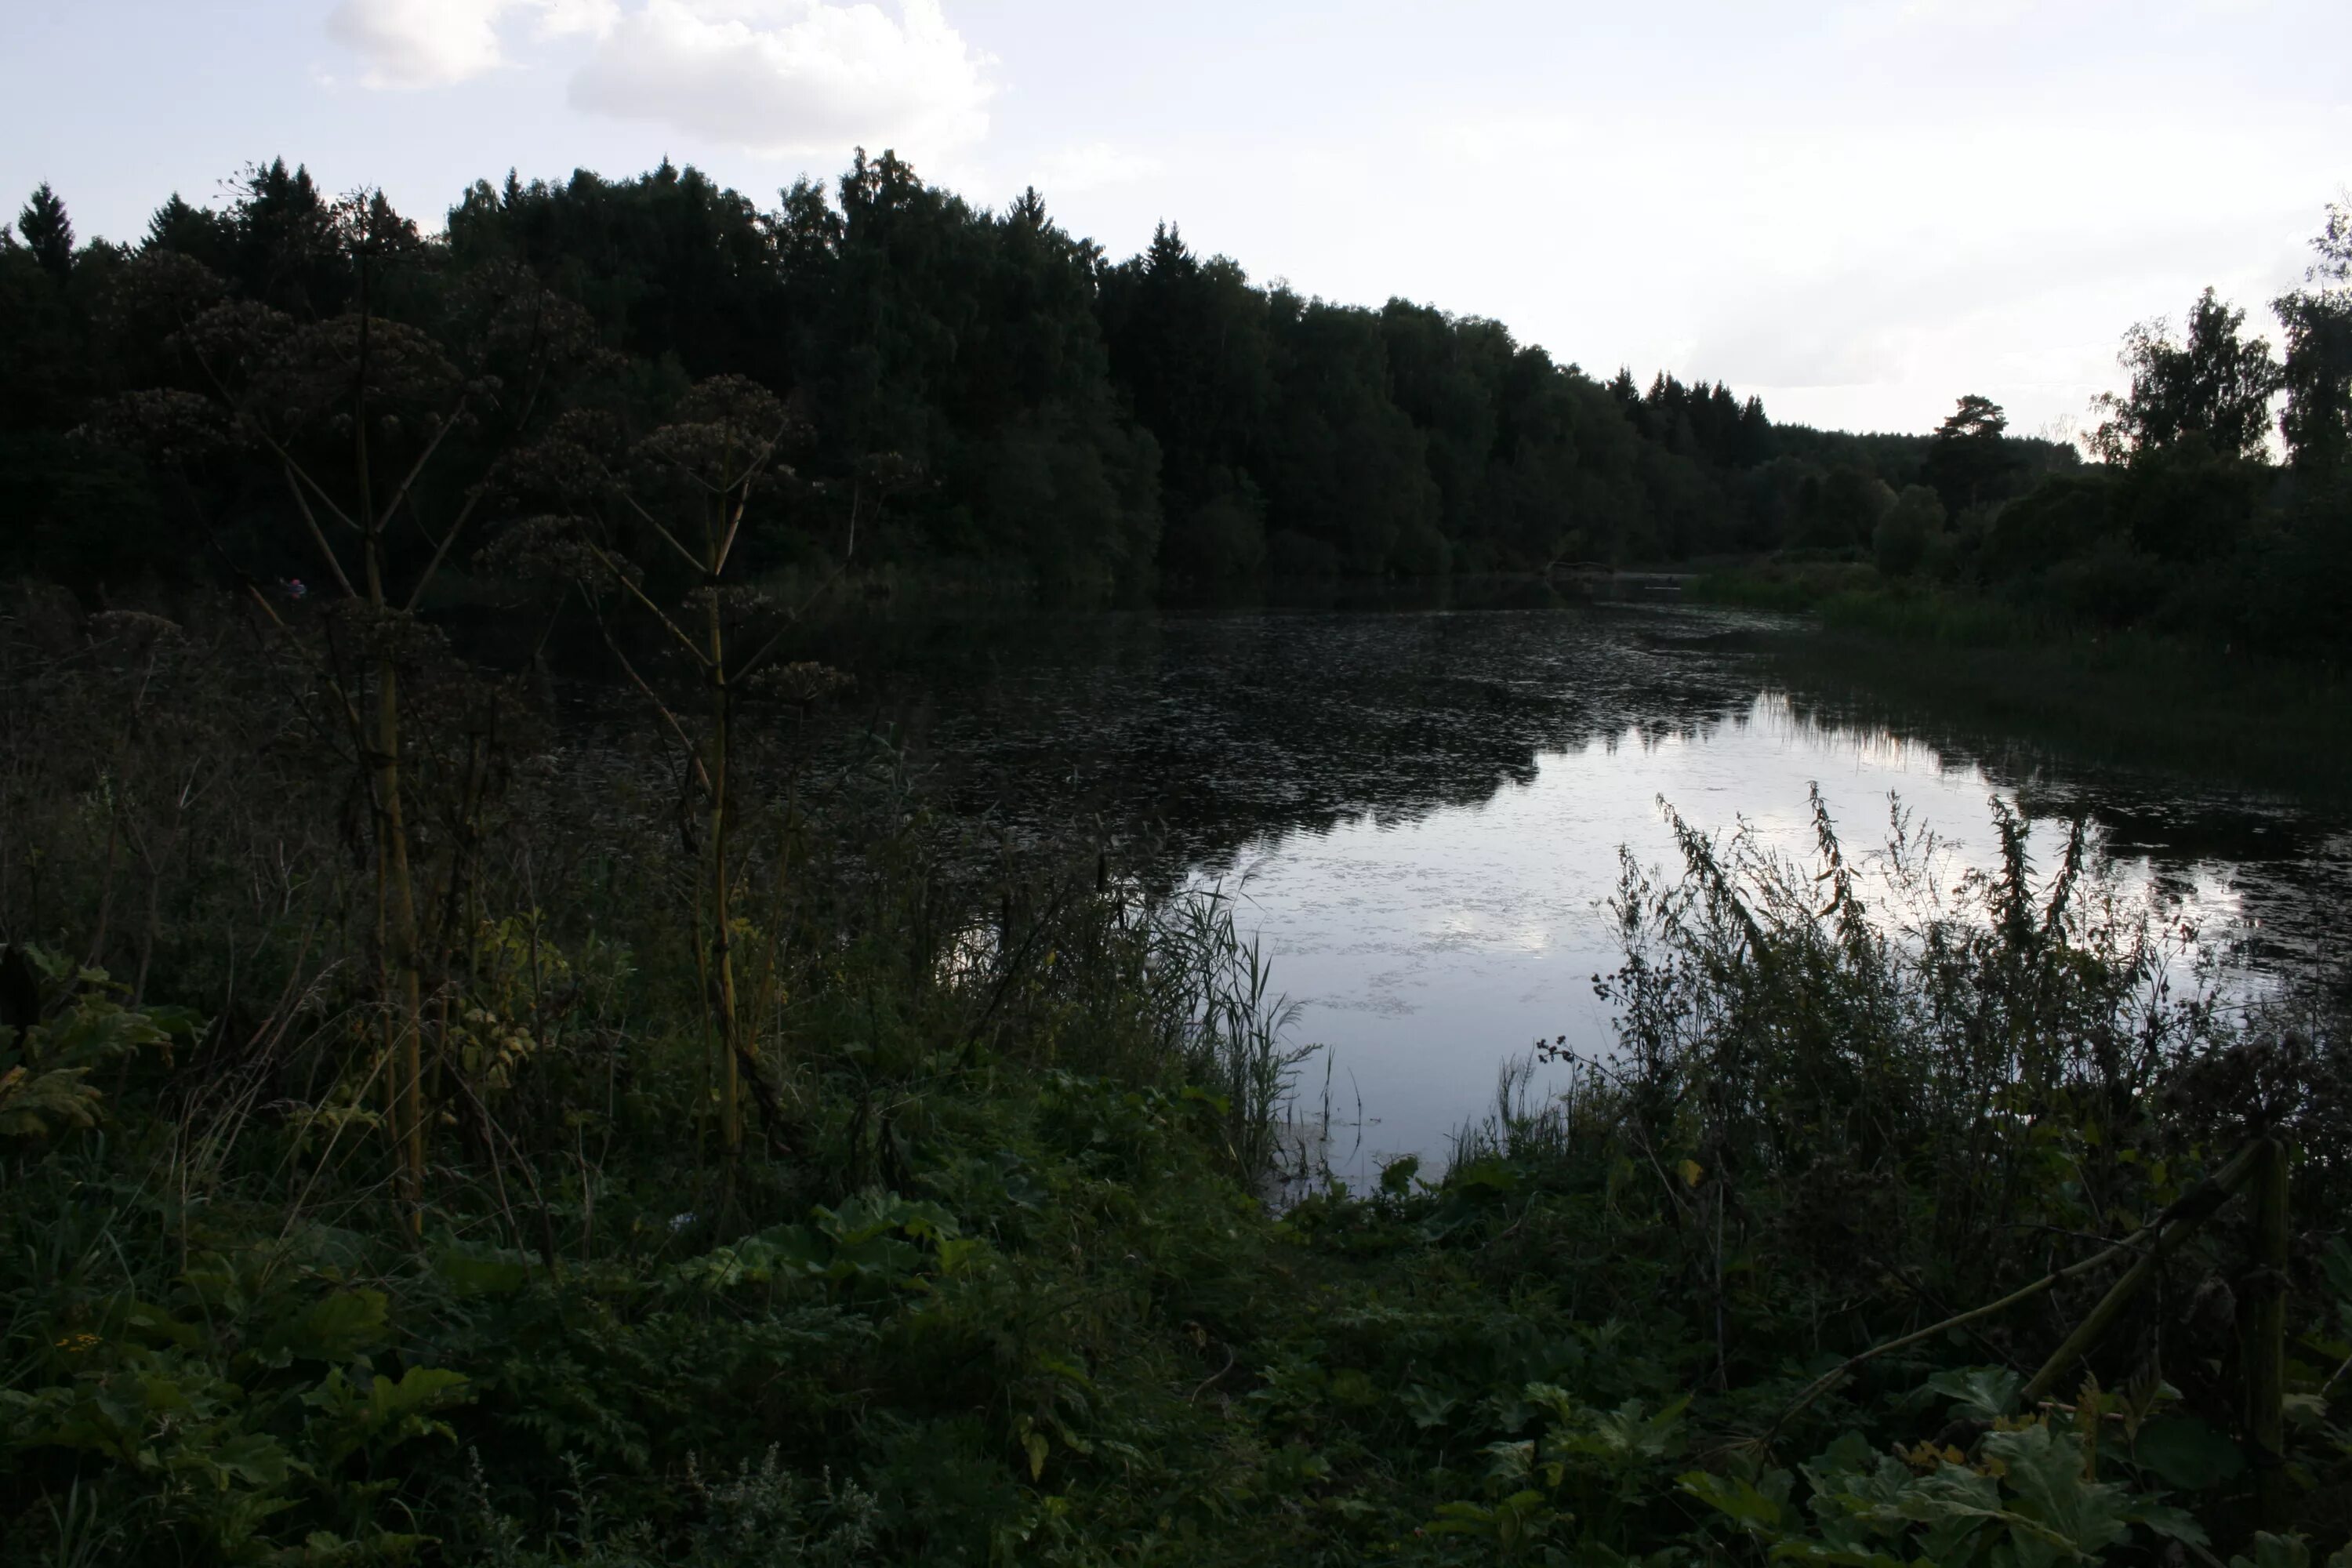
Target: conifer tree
x,y
48,232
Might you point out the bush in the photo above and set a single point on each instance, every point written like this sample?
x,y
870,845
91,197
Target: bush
x,y
1909,532
2064,516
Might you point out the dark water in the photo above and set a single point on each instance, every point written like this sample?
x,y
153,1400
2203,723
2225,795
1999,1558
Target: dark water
x,y
1421,810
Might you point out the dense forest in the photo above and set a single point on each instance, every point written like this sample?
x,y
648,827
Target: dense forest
x,y
1054,414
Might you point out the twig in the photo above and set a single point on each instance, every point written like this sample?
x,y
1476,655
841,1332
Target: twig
x,y
1203,1388
2200,1201
2179,1223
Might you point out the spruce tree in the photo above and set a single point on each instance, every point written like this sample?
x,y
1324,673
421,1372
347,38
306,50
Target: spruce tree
x,y
48,232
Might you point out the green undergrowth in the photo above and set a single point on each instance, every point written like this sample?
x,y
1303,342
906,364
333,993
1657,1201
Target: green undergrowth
x,y
1006,1289
1012,1249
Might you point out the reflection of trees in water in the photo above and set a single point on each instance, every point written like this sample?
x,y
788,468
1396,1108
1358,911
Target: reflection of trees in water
x,y
1205,734
1223,730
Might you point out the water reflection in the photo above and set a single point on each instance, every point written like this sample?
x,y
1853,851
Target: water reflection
x,y
1423,809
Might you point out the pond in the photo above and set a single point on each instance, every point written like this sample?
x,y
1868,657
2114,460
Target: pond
x,y
1421,810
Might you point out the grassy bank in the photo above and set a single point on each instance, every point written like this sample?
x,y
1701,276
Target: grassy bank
x,y
991,1276
2130,697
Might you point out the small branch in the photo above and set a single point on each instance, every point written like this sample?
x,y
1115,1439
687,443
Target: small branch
x,y
2190,1210
318,534
689,556
220,388
400,493
741,490
440,552
693,753
638,594
2173,1231
325,500
350,711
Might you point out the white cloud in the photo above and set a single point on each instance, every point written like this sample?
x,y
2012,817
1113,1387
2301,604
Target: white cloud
x,y
436,43
781,77
563,18
1882,20
419,43
768,76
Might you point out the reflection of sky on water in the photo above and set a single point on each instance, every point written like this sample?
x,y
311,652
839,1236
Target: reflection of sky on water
x,y
1429,952
1424,808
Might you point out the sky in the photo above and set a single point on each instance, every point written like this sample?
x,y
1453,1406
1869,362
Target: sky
x,y
1858,212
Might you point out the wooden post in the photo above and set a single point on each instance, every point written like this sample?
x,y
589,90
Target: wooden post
x,y
2184,1218
2192,1209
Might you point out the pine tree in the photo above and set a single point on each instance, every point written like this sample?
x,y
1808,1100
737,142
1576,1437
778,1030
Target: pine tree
x,y
48,232
1967,456
197,232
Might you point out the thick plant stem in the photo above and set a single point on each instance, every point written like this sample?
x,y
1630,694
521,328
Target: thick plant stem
x,y
2264,1344
722,955
399,931
397,898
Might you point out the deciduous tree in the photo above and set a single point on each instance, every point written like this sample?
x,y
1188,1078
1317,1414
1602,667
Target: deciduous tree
x,y
2317,419
2213,389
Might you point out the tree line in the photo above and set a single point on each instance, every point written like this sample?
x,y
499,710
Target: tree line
x,y
2219,503
1082,422
1029,407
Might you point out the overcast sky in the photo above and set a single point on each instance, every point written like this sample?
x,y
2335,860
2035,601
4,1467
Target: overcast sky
x,y
1859,211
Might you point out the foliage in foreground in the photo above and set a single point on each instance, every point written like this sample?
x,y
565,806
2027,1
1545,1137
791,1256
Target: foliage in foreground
x,y
1012,1299
990,1277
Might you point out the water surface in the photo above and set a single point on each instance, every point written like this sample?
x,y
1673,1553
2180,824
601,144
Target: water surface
x,y
1422,811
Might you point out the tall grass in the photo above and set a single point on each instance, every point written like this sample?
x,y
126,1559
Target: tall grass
x,y
1231,1032
1882,1056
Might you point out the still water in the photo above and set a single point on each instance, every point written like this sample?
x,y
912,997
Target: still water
x,y
1422,811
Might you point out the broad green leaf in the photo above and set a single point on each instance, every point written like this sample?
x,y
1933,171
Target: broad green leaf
x,y
339,1328
469,1273
2184,1452
1427,1406
1736,1497
2275,1552
1978,1393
